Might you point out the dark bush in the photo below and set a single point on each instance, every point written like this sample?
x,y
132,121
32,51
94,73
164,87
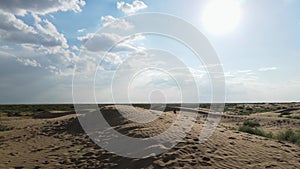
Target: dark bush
x,y
251,123
4,128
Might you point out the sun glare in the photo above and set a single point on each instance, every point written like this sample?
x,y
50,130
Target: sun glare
x,y
221,16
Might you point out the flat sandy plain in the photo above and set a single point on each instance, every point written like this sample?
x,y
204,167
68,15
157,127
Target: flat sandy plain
x,y
51,137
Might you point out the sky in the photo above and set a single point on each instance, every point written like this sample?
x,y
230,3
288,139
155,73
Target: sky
x,y
42,44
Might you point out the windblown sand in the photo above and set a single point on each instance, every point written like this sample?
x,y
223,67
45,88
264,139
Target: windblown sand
x,y
59,142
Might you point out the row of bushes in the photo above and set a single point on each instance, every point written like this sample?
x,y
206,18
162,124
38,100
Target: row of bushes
x,y
287,135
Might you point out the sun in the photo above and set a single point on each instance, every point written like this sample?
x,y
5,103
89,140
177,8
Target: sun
x,y
221,16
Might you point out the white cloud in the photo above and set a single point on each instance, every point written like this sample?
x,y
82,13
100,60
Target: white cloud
x,y
264,69
10,23
5,47
75,48
103,41
141,74
212,66
112,22
41,40
131,8
99,42
96,46
52,16
5,54
50,33
21,7
62,59
245,71
15,30
81,30
29,62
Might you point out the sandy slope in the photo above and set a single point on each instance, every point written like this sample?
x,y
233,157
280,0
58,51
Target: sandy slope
x,y
60,143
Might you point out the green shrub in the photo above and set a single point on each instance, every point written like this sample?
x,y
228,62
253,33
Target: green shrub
x,y
243,109
251,123
249,108
255,131
290,136
243,113
284,114
293,117
4,128
18,110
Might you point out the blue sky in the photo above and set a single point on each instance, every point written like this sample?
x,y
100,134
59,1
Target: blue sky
x,y
42,41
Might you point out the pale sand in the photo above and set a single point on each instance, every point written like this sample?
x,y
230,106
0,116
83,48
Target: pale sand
x,y
60,143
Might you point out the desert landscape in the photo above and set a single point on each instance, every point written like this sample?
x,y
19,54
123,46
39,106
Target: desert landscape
x,y
129,84
262,135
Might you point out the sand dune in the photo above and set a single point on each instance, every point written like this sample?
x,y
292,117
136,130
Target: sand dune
x,y
61,143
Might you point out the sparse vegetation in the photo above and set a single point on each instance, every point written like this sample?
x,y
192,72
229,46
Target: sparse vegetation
x,y
4,128
251,128
285,113
293,117
247,109
29,110
290,136
256,131
251,123
144,106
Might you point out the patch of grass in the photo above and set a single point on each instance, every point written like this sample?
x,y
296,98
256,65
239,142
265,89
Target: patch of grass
x,y
285,113
251,123
242,112
287,135
29,110
26,113
293,117
255,131
5,128
144,106
290,136
251,128
229,127
147,106
247,109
